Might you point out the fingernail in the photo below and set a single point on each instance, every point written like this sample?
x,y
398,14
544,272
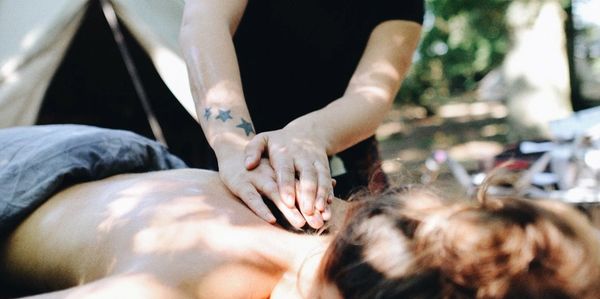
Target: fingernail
x,y
327,213
307,208
270,218
248,160
320,204
299,221
317,221
289,200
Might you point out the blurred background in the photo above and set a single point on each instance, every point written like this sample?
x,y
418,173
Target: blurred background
x,y
490,73
487,73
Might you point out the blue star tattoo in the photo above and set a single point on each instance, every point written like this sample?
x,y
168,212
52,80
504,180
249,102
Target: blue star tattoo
x,y
246,126
224,115
207,113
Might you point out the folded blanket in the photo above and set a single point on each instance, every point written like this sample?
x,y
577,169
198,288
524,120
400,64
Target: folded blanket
x,y
36,162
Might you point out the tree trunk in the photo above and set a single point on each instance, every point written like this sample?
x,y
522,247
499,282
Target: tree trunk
x,y
536,68
577,99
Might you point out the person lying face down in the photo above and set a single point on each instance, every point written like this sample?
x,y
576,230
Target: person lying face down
x,y
181,234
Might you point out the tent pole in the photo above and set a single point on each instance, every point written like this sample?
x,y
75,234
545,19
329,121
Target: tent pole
x,y
113,22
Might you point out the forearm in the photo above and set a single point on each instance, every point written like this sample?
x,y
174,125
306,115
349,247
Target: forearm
x,y
344,122
371,91
206,40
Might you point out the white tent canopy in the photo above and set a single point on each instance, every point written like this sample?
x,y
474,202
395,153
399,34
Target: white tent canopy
x,y
35,35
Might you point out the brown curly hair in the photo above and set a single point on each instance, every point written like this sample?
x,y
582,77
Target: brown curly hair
x,y
415,245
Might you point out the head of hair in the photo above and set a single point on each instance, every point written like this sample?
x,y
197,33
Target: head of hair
x,y
414,244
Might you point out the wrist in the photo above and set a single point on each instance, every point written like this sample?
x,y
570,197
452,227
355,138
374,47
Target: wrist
x,y
228,145
311,129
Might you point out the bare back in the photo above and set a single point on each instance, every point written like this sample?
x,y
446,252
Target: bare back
x,y
138,223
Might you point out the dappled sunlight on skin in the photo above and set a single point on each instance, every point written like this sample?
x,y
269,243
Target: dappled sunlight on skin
x,y
378,82
307,144
180,224
177,228
118,209
138,285
233,278
130,200
372,84
231,138
225,93
168,238
177,215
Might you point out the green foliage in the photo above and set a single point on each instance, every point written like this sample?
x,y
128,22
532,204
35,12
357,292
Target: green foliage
x,y
462,41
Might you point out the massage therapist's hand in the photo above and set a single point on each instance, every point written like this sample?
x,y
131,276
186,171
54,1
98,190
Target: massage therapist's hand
x,y
248,185
293,151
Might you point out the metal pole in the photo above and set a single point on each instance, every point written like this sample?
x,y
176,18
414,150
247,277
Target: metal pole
x,y
113,22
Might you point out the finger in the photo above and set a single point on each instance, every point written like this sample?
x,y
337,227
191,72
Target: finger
x,y
323,186
285,173
308,187
315,220
333,182
248,194
268,187
327,213
254,151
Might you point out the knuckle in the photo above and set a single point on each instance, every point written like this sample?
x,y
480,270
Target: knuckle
x,y
270,188
286,168
248,194
321,192
285,172
309,174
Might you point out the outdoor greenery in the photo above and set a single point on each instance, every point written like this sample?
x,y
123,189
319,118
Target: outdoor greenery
x,y
462,41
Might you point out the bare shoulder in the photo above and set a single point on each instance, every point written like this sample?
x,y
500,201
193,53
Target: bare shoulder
x,y
180,181
203,176
127,218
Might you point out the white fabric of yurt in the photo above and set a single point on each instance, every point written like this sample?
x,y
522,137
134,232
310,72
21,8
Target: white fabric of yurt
x,y
35,34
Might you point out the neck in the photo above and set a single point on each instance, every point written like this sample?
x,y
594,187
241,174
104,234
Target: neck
x,y
284,250
301,281
292,259
289,251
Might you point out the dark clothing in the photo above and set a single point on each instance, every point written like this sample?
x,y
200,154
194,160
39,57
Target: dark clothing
x,y
36,162
297,56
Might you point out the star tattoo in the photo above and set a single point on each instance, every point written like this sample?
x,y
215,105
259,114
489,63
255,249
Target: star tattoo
x,y
224,115
246,126
207,113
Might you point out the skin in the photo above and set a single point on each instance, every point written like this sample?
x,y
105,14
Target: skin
x,y
168,234
303,145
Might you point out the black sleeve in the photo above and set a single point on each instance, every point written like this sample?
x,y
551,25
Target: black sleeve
x,y
386,10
